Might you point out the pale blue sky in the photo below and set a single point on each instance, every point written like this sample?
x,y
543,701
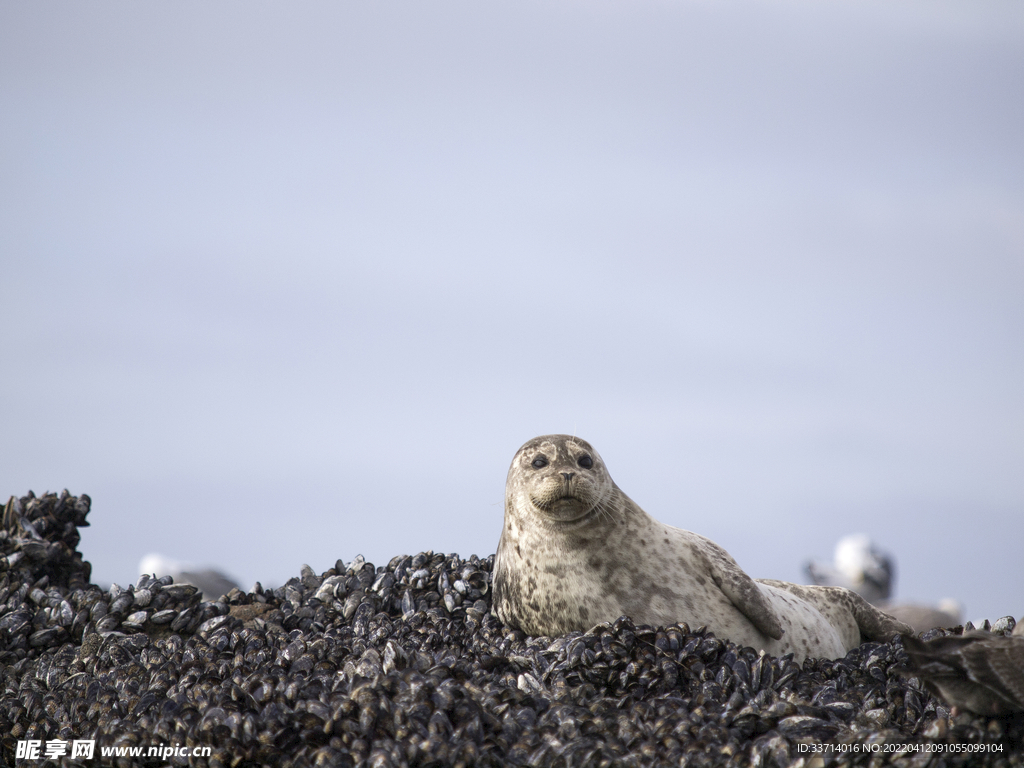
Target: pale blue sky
x,y
285,284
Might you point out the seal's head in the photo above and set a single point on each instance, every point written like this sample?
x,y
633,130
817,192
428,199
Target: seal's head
x,y
559,479
560,508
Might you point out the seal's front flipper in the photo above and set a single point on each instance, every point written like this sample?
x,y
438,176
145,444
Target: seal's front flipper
x,y
741,590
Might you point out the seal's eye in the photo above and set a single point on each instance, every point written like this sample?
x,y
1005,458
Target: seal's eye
x,y
586,462
539,462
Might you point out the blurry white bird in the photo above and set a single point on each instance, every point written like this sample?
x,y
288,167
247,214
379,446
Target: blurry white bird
x,y
870,572
211,583
857,565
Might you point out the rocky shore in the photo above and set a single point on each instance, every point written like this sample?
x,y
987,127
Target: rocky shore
x,y
403,664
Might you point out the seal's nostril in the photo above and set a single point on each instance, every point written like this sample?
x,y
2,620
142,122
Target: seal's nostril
x,y
568,475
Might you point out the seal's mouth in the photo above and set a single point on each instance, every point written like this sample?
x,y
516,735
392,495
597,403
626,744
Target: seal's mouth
x,y
565,508
565,499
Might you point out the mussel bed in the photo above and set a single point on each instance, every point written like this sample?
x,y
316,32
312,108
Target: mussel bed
x,y
404,665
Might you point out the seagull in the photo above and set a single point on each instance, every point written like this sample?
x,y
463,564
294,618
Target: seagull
x,y
867,570
857,565
976,671
210,582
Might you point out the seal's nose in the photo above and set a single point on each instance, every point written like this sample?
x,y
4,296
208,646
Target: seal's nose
x,y
568,475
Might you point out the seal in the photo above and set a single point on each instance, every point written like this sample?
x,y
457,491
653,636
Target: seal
x,y
576,551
